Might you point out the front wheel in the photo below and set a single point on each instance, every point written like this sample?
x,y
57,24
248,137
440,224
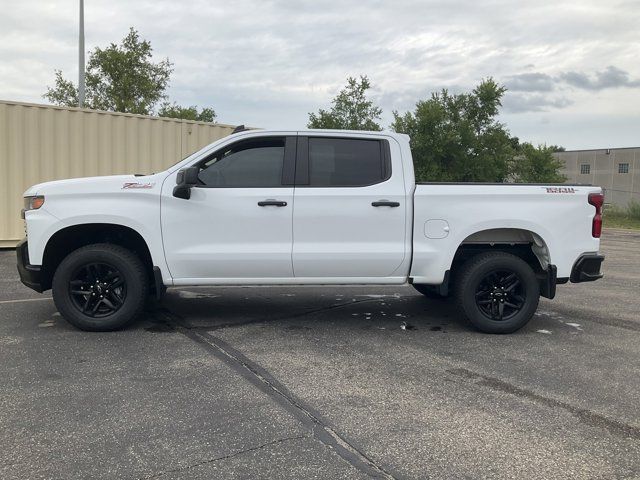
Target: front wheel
x,y
498,292
100,287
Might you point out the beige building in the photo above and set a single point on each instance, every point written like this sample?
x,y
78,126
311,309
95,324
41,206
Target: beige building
x,y
39,143
617,170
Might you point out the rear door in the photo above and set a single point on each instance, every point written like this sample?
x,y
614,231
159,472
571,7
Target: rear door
x,y
350,212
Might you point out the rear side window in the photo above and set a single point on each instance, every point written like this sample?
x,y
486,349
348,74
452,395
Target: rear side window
x,y
252,163
342,162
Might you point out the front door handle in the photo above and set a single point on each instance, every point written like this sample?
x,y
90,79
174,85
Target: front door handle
x,y
272,203
385,203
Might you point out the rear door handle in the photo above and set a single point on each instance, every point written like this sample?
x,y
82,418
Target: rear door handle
x,y
272,203
385,203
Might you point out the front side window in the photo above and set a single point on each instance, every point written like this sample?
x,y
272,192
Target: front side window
x,y
342,162
623,168
585,169
251,163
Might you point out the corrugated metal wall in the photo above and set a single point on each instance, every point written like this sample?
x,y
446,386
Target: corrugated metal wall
x,y
39,143
620,185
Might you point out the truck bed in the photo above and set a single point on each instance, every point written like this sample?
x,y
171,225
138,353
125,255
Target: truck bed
x,y
553,218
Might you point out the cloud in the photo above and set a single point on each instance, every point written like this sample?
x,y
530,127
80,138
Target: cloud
x,y
526,102
538,92
611,77
268,63
530,82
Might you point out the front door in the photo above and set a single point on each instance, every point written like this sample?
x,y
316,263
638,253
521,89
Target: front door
x,y
238,222
350,208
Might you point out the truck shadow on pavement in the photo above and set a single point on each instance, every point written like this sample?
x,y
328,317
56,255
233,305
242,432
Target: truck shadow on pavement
x,y
318,308
303,309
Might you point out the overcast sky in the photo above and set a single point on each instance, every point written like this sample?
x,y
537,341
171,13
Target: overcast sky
x,y
572,68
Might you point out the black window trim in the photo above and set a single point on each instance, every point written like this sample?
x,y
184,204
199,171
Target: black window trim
x,y
302,161
287,180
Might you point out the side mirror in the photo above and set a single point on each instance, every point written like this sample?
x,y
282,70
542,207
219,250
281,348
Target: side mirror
x,y
187,178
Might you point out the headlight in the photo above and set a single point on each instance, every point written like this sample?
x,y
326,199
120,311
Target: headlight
x,y
32,203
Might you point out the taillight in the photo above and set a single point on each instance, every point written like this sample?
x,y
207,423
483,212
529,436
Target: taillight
x,y
597,200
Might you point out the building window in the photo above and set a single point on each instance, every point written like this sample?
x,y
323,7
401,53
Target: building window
x,y
623,168
585,169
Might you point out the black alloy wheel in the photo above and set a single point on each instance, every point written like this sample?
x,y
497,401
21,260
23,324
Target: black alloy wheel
x,y
98,289
500,295
497,291
101,287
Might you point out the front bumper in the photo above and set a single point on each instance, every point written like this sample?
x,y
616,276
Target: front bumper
x,y
30,275
587,268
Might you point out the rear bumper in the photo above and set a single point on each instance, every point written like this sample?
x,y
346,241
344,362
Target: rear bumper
x,y
30,275
587,268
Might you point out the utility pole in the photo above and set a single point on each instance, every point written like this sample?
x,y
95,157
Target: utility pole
x,y
81,58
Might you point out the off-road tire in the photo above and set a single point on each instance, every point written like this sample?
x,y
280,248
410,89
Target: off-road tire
x,y
125,262
472,284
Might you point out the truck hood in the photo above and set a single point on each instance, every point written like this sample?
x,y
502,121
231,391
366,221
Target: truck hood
x,y
95,185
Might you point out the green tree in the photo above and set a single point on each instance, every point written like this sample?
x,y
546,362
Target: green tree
x,y
120,78
557,148
187,113
350,110
124,78
65,93
456,138
537,164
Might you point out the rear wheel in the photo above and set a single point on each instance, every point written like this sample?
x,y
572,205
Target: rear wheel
x,y
498,292
100,287
429,291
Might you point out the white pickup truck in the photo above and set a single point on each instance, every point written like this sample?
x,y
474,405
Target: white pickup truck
x,y
305,207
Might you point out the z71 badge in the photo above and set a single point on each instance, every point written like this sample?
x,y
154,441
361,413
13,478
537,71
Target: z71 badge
x,y
137,185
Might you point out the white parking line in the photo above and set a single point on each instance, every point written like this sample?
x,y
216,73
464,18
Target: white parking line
x,y
26,300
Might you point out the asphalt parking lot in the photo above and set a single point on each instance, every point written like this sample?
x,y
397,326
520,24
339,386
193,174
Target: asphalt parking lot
x,y
308,382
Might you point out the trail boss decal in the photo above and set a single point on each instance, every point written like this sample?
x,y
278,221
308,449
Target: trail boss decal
x,y
137,185
560,190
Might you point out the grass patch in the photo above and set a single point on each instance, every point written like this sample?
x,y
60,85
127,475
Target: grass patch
x,y
616,217
620,221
